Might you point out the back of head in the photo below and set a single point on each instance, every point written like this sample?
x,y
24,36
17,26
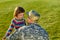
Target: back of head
x,y
33,15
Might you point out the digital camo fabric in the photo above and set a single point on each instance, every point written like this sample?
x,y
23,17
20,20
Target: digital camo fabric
x,y
31,32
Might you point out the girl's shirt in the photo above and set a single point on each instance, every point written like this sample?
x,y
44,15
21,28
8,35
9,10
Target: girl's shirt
x,y
15,24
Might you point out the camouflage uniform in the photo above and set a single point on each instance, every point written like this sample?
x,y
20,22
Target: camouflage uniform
x,y
31,32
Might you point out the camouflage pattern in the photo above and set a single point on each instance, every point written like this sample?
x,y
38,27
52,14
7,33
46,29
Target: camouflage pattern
x,y
31,32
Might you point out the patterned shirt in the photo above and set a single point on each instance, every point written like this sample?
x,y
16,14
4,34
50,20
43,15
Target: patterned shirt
x,y
15,24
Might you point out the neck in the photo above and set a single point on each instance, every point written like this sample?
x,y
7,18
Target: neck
x,y
18,19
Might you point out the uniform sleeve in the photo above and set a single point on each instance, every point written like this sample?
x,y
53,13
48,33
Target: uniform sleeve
x,y
10,28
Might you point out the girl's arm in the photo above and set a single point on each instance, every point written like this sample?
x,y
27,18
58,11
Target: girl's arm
x,y
9,30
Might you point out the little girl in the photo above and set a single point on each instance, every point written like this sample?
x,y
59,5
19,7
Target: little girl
x,y
17,22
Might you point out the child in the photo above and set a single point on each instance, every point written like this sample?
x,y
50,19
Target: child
x,y
17,22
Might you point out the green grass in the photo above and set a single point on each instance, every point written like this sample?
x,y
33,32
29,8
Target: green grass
x,y
48,9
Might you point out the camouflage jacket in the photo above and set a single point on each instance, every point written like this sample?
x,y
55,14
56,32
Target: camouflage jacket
x,y
31,32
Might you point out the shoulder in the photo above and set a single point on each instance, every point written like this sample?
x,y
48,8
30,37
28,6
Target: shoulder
x,y
37,24
13,20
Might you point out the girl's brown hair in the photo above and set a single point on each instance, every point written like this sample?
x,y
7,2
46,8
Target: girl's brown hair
x,y
18,10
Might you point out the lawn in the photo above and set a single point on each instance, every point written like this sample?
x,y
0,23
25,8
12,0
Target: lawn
x,y
48,9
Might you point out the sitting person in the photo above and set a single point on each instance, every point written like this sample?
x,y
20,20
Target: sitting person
x,y
17,22
31,32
